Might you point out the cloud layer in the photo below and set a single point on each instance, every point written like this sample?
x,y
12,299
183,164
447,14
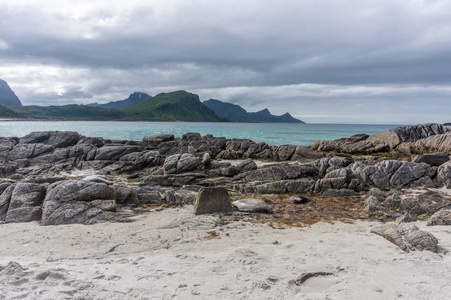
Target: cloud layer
x,y
375,61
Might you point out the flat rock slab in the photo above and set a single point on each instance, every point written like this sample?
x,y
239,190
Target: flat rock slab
x,y
212,200
408,237
252,205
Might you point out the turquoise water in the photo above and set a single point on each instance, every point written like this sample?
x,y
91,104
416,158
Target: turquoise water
x,y
273,134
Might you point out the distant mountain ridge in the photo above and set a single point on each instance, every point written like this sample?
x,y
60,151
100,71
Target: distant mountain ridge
x,y
7,96
135,98
236,113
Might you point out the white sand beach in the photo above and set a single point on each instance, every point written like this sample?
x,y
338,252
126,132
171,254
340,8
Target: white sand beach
x,y
173,254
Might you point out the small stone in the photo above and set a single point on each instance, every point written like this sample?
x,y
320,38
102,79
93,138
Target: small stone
x,y
299,199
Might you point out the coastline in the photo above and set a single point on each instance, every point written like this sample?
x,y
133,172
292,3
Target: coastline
x,y
87,217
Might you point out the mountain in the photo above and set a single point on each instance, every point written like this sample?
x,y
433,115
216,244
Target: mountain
x,y
71,112
133,99
7,96
174,106
232,112
7,113
236,113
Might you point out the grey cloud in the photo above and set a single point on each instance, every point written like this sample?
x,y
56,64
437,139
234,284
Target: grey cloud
x,y
224,48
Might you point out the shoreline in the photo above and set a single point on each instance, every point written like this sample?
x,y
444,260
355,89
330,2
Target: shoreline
x,y
173,253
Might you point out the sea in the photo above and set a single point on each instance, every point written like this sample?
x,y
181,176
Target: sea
x,y
271,133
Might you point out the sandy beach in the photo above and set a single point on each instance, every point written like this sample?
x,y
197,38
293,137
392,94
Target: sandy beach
x,y
173,254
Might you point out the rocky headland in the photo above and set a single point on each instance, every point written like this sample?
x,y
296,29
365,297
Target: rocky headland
x,y
397,176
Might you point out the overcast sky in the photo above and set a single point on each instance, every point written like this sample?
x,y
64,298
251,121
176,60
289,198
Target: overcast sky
x,y
324,61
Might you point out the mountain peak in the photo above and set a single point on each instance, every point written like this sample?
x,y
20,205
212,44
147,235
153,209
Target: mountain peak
x,y
7,96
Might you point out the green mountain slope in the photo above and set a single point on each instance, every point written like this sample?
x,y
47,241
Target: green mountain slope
x,y
6,113
69,112
236,113
232,112
174,106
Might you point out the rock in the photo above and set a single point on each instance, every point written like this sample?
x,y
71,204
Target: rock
x,y
336,193
406,218
373,201
285,152
252,205
439,142
206,159
191,136
212,200
180,163
25,203
57,139
299,199
96,178
5,197
442,217
392,202
156,140
444,174
303,152
412,133
434,159
126,195
408,237
247,165
73,201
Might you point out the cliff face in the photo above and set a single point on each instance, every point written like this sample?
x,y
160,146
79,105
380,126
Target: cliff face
x,y
7,96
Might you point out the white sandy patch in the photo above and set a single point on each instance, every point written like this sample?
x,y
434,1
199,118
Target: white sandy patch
x,y
168,254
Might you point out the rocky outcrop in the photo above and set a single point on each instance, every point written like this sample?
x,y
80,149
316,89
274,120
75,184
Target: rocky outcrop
x,y
408,237
434,159
25,203
394,137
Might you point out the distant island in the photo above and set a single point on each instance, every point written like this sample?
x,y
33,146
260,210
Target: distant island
x,y
236,113
173,106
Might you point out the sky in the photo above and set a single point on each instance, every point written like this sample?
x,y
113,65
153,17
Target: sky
x,y
323,61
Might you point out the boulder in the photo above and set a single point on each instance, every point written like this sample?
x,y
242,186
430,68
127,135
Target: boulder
x,y
57,139
406,218
434,159
73,201
444,174
25,203
303,152
442,217
252,205
212,200
299,199
408,237
439,142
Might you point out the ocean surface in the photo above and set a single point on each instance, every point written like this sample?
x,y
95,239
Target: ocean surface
x,y
273,134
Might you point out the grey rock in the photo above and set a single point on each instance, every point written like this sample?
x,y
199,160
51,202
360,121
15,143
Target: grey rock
x,y
303,152
444,174
156,140
411,206
408,237
5,198
191,136
412,133
406,218
439,142
441,217
180,163
57,139
212,200
126,194
76,212
25,203
252,205
434,159
97,178
206,159
79,190
247,165
392,202
285,152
